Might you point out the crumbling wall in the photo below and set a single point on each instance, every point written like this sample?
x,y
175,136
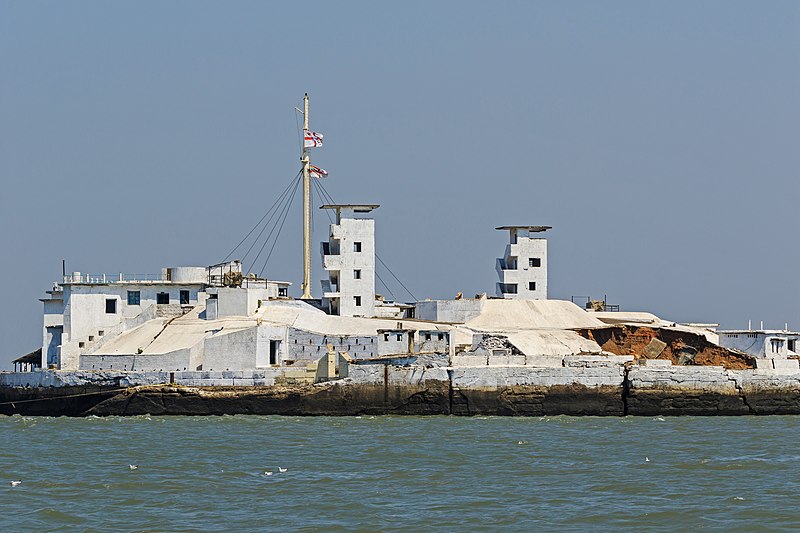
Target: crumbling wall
x,y
680,347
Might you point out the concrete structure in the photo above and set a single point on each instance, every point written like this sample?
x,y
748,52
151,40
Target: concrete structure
x,y
84,313
245,300
454,311
523,267
769,344
349,259
84,310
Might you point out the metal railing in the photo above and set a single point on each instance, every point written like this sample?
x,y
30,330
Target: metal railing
x,y
109,278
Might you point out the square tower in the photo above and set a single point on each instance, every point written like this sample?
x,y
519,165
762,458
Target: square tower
x,y
523,267
349,259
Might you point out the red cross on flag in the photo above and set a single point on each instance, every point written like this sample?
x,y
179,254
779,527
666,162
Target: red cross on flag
x,y
311,139
316,172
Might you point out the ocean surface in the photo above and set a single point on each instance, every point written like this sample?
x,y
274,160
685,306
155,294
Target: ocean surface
x,y
399,473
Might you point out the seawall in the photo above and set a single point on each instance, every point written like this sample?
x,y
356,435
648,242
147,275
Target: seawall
x,y
583,386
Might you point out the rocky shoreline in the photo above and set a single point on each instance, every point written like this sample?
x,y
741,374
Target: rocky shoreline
x,y
585,386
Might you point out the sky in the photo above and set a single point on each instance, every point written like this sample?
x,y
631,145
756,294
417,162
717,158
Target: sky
x,y
659,140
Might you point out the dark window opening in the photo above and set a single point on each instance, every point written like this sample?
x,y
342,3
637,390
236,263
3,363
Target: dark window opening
x,y
357,274
386,336
134,298
356,246
399,336
792,345
162,298
534,262
184,297
111,306
274,346
531,285
427,336
357,300
441,336
508,288
282,292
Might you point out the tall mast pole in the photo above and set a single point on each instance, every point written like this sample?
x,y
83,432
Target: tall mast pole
x,y
306,210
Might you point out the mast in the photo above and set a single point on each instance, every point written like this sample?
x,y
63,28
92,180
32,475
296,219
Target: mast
x,y
305,159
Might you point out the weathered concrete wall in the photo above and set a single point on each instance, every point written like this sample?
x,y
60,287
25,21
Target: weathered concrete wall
x,y
56,379
515,266
179,360
455,311
344,260
305,346
231,351
593,385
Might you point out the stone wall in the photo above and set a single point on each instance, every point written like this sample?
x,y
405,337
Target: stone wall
x,y
584,385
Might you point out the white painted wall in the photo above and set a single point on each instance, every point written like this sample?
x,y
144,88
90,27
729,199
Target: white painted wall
x,y
243,350
236,301
519,253
760,343
456,311
341,287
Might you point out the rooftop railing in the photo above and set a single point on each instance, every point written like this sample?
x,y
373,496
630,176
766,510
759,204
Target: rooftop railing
x,y
110,278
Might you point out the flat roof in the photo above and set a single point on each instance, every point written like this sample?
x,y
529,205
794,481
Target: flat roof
x,y
536,229
358,208
757,332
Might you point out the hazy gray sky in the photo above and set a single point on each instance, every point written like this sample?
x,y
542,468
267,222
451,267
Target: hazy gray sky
x,y
660,140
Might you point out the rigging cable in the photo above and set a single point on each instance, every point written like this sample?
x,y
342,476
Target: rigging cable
x,y
376,255
267,225
272,230
291,182
277,236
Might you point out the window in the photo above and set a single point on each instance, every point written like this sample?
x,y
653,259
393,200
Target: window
x,y
441,336
399,336
184,297
356,246
134,297
531,285
385,336
111,306
357,300
357,274
792,345
534,262
162,298
282,293
427,336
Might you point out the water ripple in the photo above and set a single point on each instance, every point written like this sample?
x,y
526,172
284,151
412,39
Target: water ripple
x,y
398,473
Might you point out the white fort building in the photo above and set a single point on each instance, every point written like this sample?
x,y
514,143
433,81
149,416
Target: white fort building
x,y
523,268
221,318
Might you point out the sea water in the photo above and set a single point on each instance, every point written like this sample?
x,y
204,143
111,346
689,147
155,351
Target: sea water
x,y
398,473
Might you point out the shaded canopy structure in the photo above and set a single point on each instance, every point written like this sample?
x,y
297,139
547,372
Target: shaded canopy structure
x,y
28,362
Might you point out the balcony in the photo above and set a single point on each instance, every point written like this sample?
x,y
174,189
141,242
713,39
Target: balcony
x,y
507,288
329,290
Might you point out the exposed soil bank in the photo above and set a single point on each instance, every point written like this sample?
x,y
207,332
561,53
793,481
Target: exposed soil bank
x,y
679,347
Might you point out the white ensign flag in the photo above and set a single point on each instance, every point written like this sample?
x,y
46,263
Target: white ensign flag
x,y
311,139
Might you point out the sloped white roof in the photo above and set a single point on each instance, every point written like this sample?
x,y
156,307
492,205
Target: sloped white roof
x,y
509,315
552,342
311,319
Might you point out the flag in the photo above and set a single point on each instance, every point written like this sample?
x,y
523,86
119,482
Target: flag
x,y
316,172
311,139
